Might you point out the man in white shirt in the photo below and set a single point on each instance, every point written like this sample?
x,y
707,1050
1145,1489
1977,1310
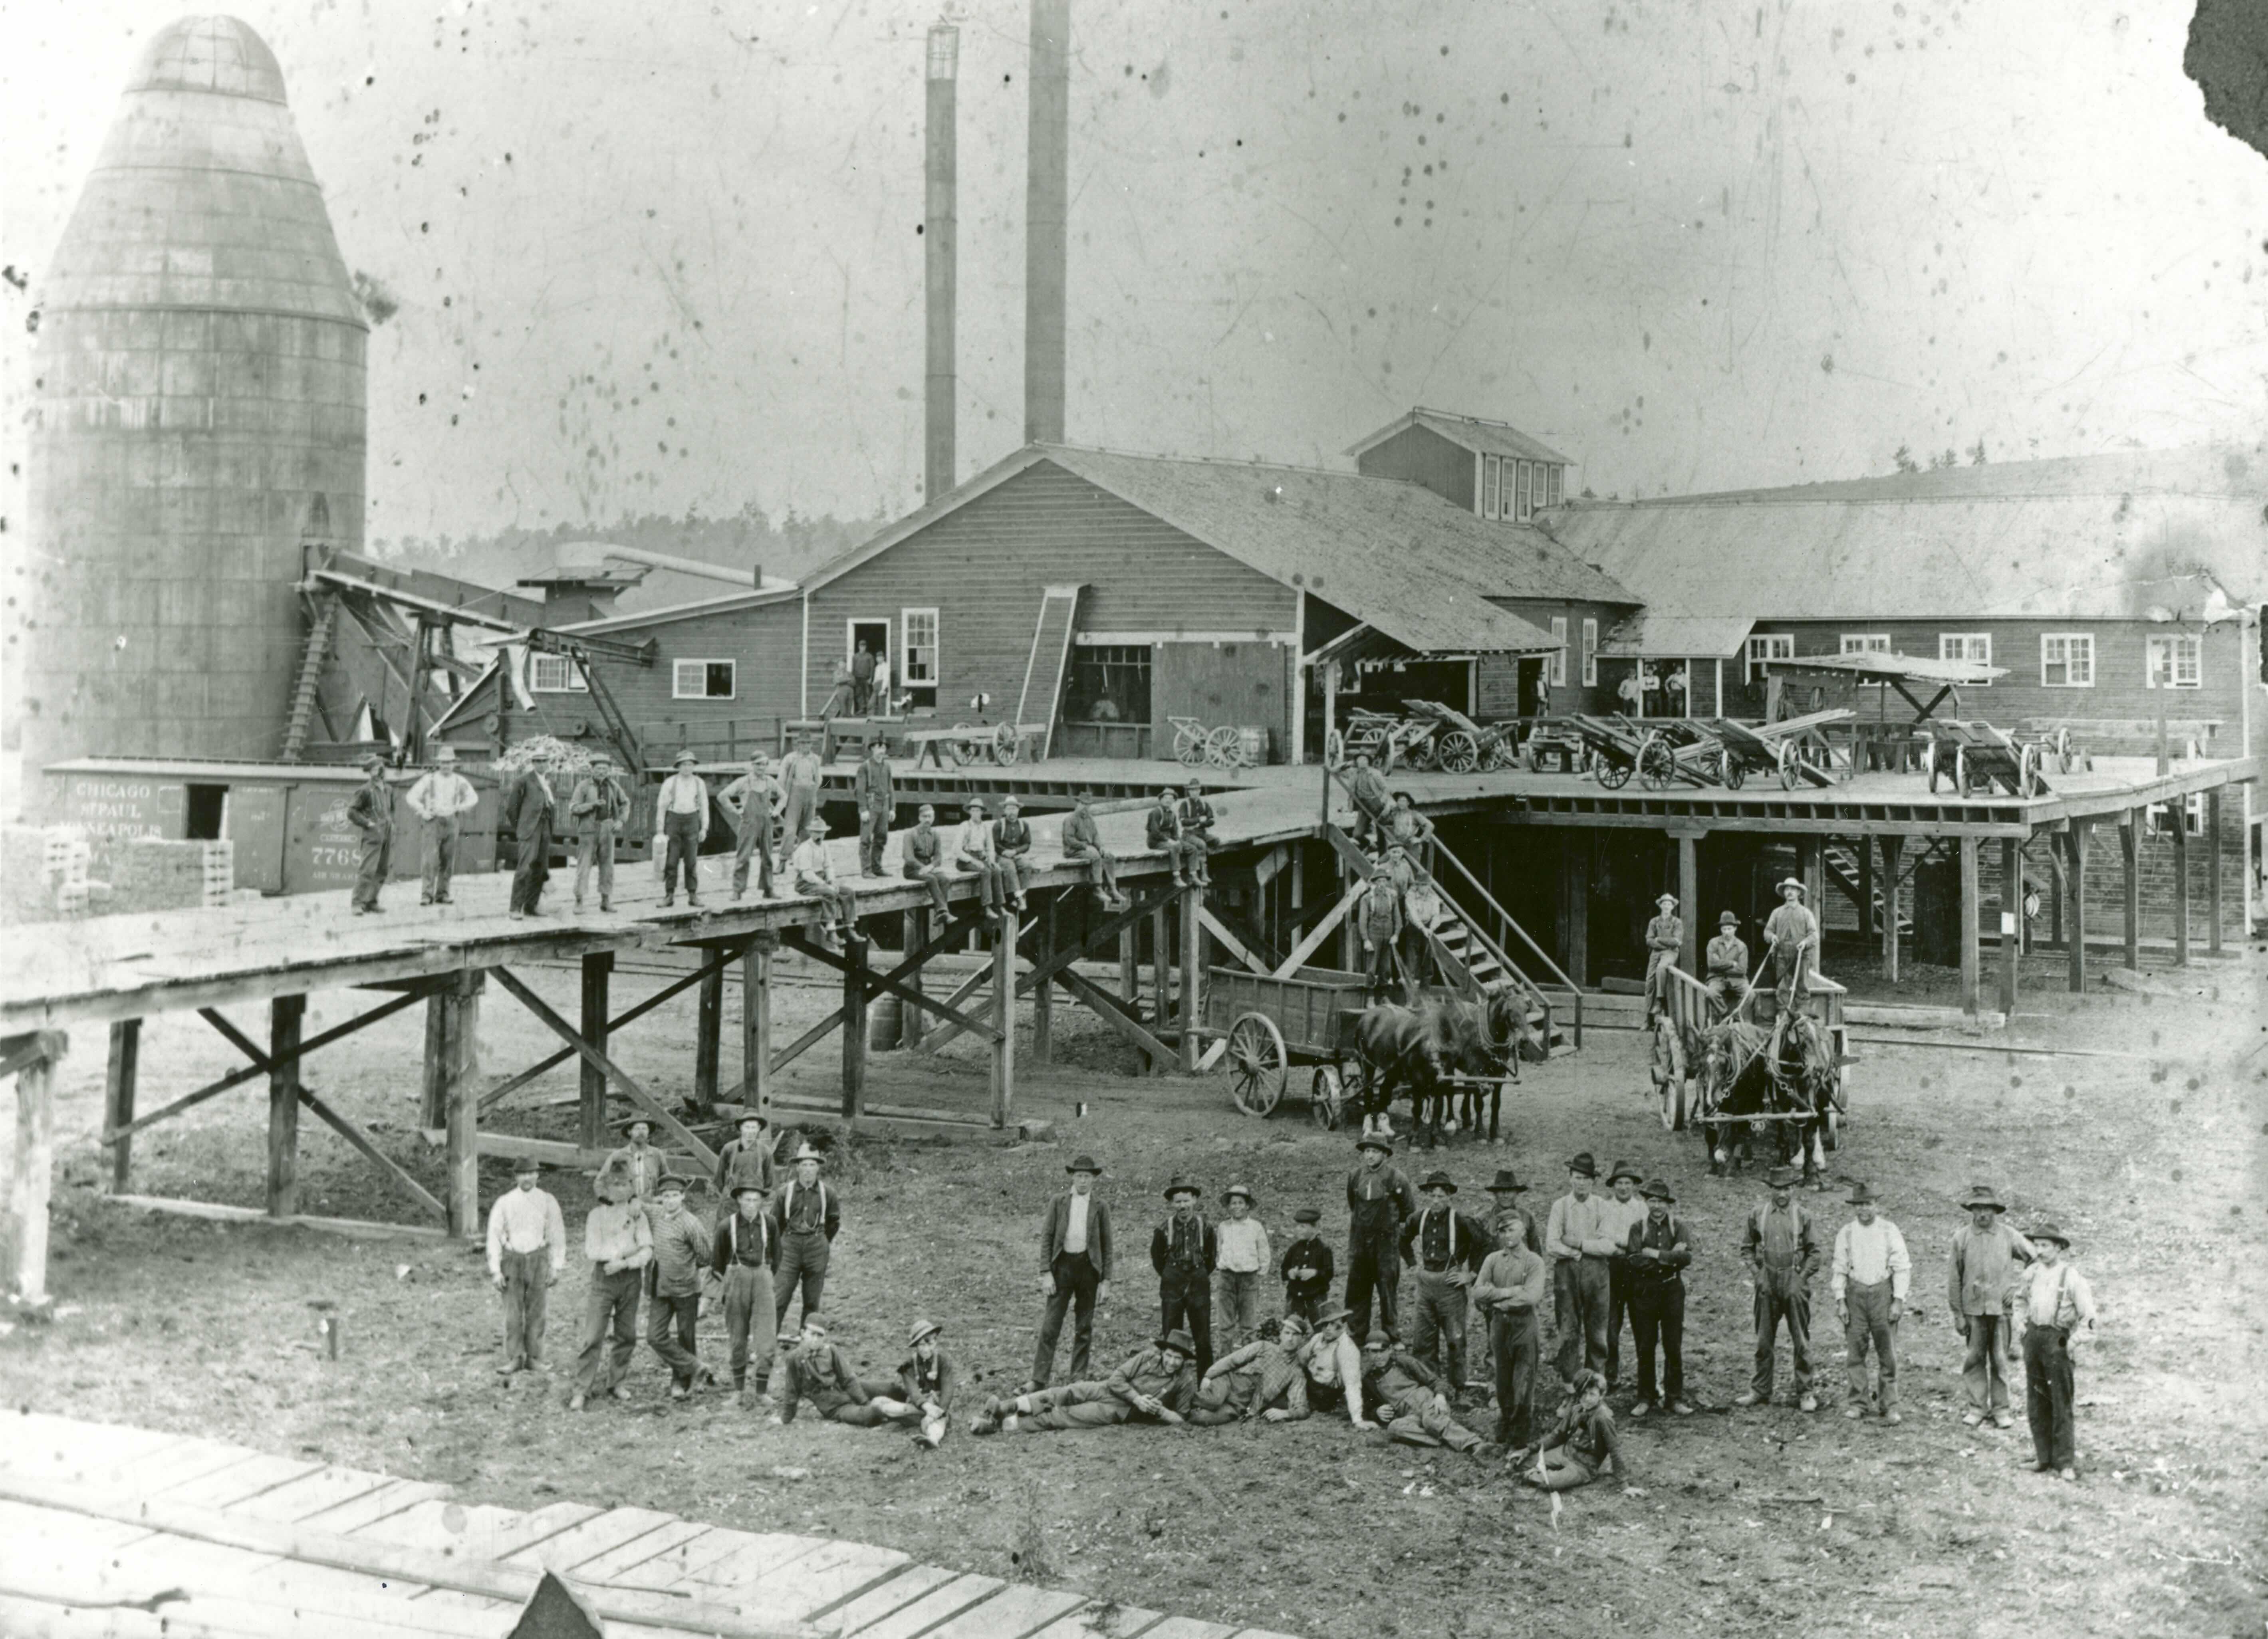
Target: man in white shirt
x,y
682,804
1579,1238
814,876
1074,1272
439,799
528,1251
2053,1308
973,851
1240,1256
1625,1211
1872,1275
1333,1362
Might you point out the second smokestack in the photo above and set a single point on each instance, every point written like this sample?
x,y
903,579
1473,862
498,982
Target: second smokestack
x,y
1047,194
941,230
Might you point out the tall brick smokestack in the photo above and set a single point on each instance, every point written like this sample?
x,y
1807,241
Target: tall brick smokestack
x,y
941,230
1047,193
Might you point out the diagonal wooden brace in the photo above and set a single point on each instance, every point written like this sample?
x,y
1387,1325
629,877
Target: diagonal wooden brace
x,y
1113,1012
888,982
615,1072
722,959
385,1163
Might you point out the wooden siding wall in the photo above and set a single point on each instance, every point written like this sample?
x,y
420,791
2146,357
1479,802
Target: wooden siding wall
x,y
1500,679
984,566
1418,455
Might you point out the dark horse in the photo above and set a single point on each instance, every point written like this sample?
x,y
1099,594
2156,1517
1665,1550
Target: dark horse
x,y
1415,1048
1740,1076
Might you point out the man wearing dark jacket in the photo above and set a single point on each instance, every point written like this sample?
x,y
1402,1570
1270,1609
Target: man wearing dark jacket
x,y
1446,1248
597,809
1159,1385
1306,1267
371,814
1654,1269
1082,845
1011,850
526,815
1197,841
928,1380
1074,1270
1379,1199
1183,1251
741,1256
877,799
1163,830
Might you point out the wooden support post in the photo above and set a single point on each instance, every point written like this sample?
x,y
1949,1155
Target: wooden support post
x,y
2075,891
1811,851
1575,903
1043,1020
854,1025
1192,969
1003,1020
598,972
2213,871
1892,846
1160,972
1689,902
1350,945
458,1073
285,1014
118,1098
432,1102
909,1014
756,1024
2130,851
31,1166
2177,815
2012,921
1970,965
707,1038
1130,970
1867,886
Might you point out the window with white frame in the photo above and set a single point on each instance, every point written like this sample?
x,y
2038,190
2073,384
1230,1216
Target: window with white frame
x,y
1559,672
2176,662
1866,643
1977,646
701,679
1492,472
2192,808
554,674
1590,652
2067,660
1522,506
1552,493
1767,646
917,653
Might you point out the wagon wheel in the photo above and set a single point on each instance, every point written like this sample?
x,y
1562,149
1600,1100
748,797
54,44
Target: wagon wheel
x,y
1325,1098
1364,737
1502,753
1657,764
1671,1076
1459,752
1961,770
1929,763
1736,772
1790,761
1224,748
1335,750
1831,1129
2062,751
962,744
2028,772
1189,746
1257,1063
1612,774
1007,744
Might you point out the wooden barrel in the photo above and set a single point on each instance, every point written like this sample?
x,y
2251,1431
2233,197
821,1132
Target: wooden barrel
x,y
884,1014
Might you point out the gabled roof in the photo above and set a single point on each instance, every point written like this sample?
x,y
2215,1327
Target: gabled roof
x,y
2108,537
1651,636
1393,555
731,603
1489,437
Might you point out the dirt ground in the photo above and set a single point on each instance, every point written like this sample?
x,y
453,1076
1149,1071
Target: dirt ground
x,y
2142,1132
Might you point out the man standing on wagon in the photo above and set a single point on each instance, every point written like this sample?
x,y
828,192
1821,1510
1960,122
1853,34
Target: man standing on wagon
x,y
1791,933
1665,937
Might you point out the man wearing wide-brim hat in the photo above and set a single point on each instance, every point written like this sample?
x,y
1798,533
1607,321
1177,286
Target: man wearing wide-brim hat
x,y
806,1215
1504,1191
598,808
1791,934
618,1242
1653,1272
682,1249
2054,1308
371,812
1184,1250
1243,1262
928,1380
440,799
682,808
528,1253
1726,962
747,1159
1985,1263
1580,1238
1445,1249
741,1256
1379,1200
1872,1275
1074,1271
1624,1213
1781,1244
1665,938
645,1161
1509,1293
813,872
1157,1385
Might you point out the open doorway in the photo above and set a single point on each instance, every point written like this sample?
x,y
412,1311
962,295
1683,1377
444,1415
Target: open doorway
x,y
870,672
207,811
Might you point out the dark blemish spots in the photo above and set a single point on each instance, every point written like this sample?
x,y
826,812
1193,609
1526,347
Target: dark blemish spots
x,y
421,398
2173,1106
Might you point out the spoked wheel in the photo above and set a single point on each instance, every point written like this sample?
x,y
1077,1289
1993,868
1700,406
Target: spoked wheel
x,y
1335,750
1460,752
1327,1098
1657,764
962,744
1961,770
1673,1103
1612,774
2028,772
1189,747
1257,1063
1007,745
1929,763
1791,762
1503,754
1365,739
2062,751
1735,771
1225,747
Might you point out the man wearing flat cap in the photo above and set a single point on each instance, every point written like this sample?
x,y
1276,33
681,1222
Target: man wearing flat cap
x,y
1306,1267
618,1244
1074,1270
1781,1244
1985,1263
1504,1192
1379,1200
1872,1275
681,1252
1653,1273
1444,1248
1509,1292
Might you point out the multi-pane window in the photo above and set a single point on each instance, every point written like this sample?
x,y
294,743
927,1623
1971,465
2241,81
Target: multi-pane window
x,y
2067,660
553,674
2191,809
1977,646
701,679
1558,476
1520,505
1108,683
2176,662
1866,643
1590,652
1769,646
917,650
1559,672
1493,471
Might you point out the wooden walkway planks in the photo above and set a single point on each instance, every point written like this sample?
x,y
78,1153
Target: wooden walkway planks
x,y
946,1600
391,1498
1014,1613
832,1573
884,1597
567,1551
1101,1621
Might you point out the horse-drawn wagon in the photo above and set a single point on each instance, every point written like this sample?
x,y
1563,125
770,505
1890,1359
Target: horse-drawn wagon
x,y
1746,1075
1463,745
1975,756
1796,749
1272,1024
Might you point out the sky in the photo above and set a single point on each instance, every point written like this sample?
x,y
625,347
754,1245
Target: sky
x,y
655,258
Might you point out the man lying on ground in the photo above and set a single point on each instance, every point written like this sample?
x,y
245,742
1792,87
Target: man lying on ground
x,y
1262,1379
1333,1362
815,1369
1158,1385
1409,1398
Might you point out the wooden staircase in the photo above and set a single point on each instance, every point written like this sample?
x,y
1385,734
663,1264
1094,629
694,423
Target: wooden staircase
x,y
1050,659
1841,866
326,616
1474,963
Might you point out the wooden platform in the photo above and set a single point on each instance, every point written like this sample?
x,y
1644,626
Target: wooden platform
x,y
127,1533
